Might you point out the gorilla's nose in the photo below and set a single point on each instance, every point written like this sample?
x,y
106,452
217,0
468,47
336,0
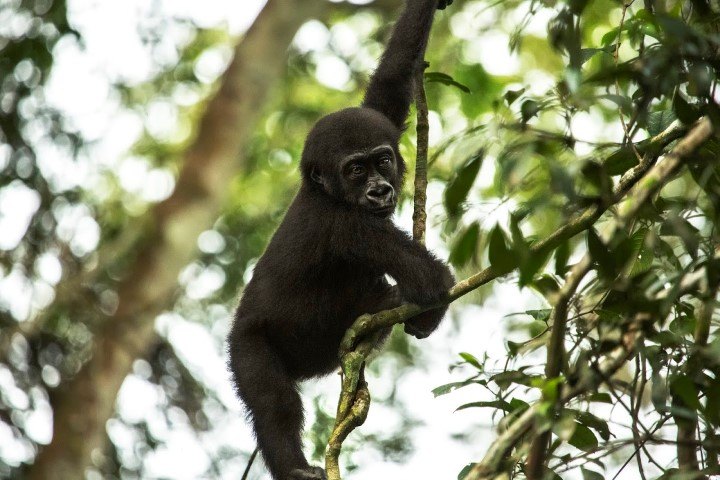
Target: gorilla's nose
x,y
380,194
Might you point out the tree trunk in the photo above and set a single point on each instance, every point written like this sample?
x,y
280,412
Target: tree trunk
x,y
83,406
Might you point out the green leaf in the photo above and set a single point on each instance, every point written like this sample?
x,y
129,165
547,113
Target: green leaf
x,y
642,253
451,387
562,255
465,246
506,378
687,113
469,358
621,101
666,339
539,315
590,475
529,109
466,469
684,388
664,250
596,423
659,121
600,254
512,95
620,161
497,404
583,438
546,284
678,226
513,347
459,185
600,397
445,79
501,257
518,406
587,53
610,36
532,264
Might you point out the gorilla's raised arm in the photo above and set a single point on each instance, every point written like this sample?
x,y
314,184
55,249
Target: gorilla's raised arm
x,y
326,263
391,86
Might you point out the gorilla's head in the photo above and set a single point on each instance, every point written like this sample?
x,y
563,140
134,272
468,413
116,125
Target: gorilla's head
x,y
352,155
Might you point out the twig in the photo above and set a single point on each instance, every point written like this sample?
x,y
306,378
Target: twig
x,y
250,463
536,460
687,428
354,402
419,214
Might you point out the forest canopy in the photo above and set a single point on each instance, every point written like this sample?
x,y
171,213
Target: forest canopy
x,y
148,150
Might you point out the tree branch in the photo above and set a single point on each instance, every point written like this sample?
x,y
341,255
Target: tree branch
x,y
641,182
491,464
576,224
535,465
419,214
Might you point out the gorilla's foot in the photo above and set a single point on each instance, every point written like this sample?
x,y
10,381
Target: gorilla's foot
x,y
309,473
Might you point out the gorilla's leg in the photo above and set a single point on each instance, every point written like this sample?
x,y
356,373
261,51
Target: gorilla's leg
x,y
274,407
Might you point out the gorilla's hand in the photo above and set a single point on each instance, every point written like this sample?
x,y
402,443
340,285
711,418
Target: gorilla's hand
x,y
443,3
427,289
421,326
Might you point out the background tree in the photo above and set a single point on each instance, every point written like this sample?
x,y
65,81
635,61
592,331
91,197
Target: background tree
x,y
130,216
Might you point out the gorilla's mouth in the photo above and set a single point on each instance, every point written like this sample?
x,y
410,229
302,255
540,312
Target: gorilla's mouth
x,y
385,211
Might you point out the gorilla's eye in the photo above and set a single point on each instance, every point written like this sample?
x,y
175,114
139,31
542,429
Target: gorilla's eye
x,y
384,161
357,169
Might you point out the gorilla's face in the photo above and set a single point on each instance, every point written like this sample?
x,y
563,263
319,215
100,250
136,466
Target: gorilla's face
x,y
353,156
367,179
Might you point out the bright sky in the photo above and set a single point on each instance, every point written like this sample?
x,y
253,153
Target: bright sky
x,y
79,86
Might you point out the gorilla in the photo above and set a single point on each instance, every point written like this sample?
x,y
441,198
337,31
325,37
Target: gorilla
x,y
327,262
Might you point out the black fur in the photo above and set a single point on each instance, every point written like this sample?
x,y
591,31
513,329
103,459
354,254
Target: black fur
x,y
326,263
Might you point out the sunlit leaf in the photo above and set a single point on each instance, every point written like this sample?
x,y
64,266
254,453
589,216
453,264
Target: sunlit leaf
x,y
445,79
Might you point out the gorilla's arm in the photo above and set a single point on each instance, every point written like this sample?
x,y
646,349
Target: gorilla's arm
x,y
390,89
378,244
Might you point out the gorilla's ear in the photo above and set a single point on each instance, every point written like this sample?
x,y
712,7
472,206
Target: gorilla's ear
x,y
316,177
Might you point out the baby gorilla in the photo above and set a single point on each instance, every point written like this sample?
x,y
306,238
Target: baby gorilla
x,y
326,264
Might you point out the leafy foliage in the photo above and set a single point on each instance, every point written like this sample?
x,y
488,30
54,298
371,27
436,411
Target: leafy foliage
x,y
533,138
